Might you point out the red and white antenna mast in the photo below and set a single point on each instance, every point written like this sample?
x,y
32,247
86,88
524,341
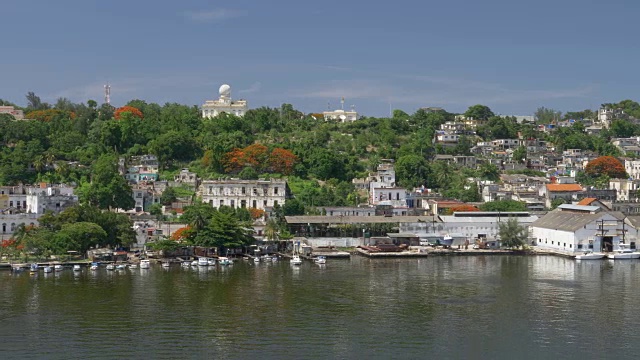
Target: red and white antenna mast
x,y
107,94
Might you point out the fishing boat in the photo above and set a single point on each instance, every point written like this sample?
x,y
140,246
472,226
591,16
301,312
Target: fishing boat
x,y
48,269
224,261
94,266
145,264
590,255
320,260
77,268
58,267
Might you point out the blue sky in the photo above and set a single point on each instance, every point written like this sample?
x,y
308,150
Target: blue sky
x,y
513,56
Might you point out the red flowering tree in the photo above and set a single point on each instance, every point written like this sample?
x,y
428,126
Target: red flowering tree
x,y
181,234
128,109
606,165
256,213
49,114
255,156
282,161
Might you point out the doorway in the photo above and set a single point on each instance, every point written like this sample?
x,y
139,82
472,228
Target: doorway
x,y
607,243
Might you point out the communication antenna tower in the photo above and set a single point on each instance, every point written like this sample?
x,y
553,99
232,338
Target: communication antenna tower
x,y
342,103
107,94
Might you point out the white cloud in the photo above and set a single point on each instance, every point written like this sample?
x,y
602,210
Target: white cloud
x,y
215,15
255,87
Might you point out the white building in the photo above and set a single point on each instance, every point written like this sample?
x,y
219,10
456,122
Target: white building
x,y
48,198
224,104
341,115
576,228
10,222
632,167
236,193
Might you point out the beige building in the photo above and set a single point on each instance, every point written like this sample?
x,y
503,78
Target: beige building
x,y
16,113
224,104
236,193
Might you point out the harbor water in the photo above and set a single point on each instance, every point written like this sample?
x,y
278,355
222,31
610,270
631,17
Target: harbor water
x,y
494,307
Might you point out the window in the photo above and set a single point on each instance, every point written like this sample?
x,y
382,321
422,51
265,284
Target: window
x,y
264,203
255,204
210,190
255,191
579,246
211,202
243,190
590,246
275,190
10,203
243,203
233,203
275,202
221,190
221,202
4,227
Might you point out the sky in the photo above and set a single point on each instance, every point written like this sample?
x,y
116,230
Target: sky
x,y
513,56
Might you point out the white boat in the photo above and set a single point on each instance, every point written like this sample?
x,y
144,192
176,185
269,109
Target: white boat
x,y
296,260
133,266
274,258
211,262
590,255
94,266
58,267
33,268
194,263
166,264
186,264
145,264
77,267
111,267
624,252
320,260
203,261
121,266
48,269
224,261
256,259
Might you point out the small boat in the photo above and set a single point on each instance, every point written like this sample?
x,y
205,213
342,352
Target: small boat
x,y
77,267
111,267
186,264
58,267
194,263
211,262
320,260
296,260
590,255
224,261
256,259
145,264
447,240
274,258
94,266
121,267
624,253
33,268
166,264
203,261
48,269
133,266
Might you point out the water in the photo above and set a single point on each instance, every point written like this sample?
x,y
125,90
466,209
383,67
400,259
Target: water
x,y
438,307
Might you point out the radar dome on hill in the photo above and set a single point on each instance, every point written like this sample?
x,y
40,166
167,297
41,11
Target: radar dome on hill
x,y
225,90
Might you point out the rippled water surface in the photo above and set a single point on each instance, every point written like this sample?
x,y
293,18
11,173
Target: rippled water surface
x,y
438,307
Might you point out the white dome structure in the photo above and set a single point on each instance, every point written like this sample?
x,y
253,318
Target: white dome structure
x,y
225,90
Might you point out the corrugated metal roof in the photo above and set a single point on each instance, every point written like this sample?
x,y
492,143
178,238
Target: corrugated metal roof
x,y
571,221
359,219
584,208
486,219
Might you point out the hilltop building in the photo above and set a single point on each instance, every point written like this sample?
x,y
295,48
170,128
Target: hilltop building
x,y
236,193
224,104
16,113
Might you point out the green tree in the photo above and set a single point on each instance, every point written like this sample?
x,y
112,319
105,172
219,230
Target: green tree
x,y
412,171
79,236
520,154
168,196
479,112
107,189
557,202
503,205
512,234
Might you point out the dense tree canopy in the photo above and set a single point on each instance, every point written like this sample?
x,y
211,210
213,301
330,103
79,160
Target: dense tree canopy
x,y
606,165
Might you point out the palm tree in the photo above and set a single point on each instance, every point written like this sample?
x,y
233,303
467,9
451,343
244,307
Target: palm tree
x,y
271,230
39,163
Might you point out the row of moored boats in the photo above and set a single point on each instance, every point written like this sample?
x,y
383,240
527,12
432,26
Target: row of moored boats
x,y
622,253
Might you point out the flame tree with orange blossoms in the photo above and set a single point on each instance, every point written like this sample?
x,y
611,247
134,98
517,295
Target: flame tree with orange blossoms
x,y
258,157
128,109
181,234
49,114
606,165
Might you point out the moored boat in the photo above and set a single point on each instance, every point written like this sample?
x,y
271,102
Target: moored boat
x,y
133,266
624,252
58,267
590,255
320,260
203,261
111,267
185,264
296,260
48,269
77,268
145,264
194,263
33,268
166,264
121,266
94,266
211,262
224,261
